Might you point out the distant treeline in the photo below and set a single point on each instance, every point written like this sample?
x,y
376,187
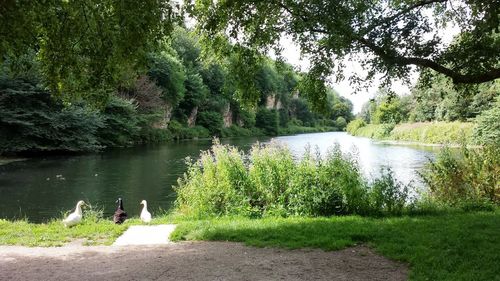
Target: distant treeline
x,y
456,113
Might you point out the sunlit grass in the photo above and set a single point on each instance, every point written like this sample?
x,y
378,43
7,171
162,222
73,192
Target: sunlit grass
x,y
453,246
93,230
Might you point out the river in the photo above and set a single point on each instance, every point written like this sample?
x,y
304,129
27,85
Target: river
x,y
42,188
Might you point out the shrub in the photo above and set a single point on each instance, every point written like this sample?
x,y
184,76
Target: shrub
x,y
121,123
387,195
487,130
383,131
270,169
467,175
148,132
283,117
216,184
212,121
340,123
269,181
354,125
328,186
379,131
32,121
434,132
235,131
295,122
179,131
267,120
247,118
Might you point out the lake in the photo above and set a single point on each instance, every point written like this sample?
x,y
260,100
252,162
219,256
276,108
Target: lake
x,y
42,188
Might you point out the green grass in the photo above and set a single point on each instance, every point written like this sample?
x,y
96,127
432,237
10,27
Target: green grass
x,y
452,246
376,131
294,129
424,132
448,246
53,233
434,132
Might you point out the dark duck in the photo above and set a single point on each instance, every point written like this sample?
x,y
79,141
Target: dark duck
x,y
120,216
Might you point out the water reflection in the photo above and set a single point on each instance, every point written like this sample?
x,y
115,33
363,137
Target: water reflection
x,y
405,161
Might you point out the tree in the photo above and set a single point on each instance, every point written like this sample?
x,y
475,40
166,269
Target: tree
x,y
84,45
169,74
267,120
385,36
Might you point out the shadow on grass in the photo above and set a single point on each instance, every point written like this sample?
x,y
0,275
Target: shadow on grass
x,y
446,247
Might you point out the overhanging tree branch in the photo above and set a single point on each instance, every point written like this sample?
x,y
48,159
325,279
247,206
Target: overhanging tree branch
x,y
422,62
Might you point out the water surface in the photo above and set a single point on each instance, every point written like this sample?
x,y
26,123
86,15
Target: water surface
x,y
40,189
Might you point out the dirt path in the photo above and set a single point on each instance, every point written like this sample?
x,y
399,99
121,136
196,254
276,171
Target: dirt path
x,y
194,261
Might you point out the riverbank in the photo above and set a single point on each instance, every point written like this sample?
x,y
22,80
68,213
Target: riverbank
x,y
165,136
7,160
448,245
422,133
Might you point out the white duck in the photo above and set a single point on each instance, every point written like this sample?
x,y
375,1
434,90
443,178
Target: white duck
x,y
76,216
145,215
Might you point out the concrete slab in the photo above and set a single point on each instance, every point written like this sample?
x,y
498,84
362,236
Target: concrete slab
x,y
145,235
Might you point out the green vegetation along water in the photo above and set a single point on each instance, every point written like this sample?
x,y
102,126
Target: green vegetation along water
x,y
41,188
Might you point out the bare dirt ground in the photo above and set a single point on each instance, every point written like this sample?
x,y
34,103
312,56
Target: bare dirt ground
x,y
194,261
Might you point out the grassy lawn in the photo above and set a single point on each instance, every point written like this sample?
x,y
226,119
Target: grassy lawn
x,y
55,234
440,247
451,246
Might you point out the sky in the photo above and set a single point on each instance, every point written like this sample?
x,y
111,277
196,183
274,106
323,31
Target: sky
x,y
291,53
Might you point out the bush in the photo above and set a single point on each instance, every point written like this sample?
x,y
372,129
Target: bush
x,y
235,131
487,130
340,123
32,121
387,195
247,118
267,120
179,131
148,132
216,184
212,121
465,176
283,117
434,132
268,181
354,125
121,123
379,131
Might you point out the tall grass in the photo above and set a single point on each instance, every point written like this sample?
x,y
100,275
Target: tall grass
x,y
434,132
469,177
376,131
268,181
423,132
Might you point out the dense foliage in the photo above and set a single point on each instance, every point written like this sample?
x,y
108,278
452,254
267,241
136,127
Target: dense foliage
x,y
385,37
454,113
84,46
468,176
269,181
31,120
487,130
179,94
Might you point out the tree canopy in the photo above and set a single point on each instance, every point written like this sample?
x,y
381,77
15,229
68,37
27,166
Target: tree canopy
x,y
387,37
84,45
